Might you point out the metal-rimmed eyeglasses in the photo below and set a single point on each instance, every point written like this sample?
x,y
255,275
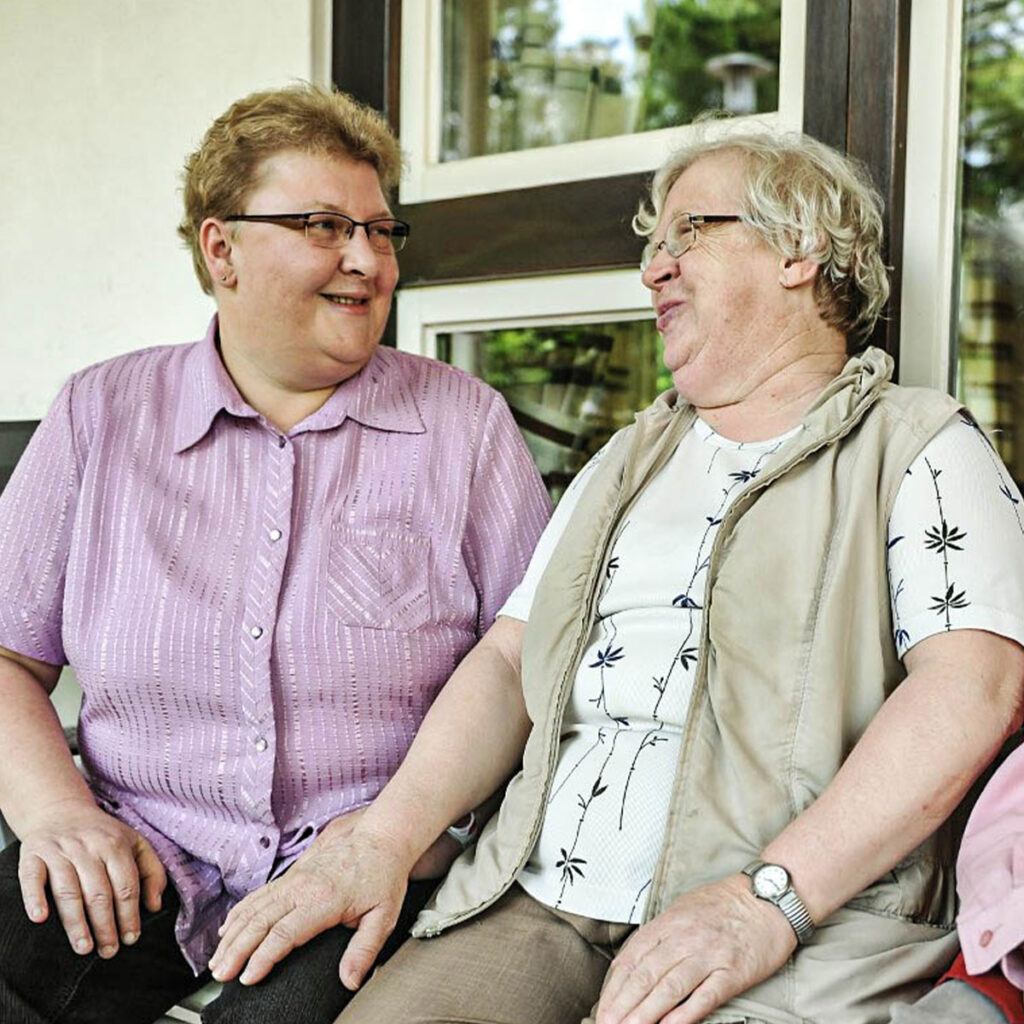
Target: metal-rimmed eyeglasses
x,y
330,230
681,235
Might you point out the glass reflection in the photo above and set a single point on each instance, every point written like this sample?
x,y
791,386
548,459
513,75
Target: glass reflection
x,y
569,388
525,73
990,337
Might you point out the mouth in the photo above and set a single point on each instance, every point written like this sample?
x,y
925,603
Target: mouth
x,y
666,311
356,301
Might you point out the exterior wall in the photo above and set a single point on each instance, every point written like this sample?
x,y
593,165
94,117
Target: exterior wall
x,y
102,100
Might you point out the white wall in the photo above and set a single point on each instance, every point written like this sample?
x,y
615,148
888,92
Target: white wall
x,y
102,99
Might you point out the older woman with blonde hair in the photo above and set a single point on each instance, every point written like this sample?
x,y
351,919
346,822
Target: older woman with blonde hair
x,y
262,554
770,636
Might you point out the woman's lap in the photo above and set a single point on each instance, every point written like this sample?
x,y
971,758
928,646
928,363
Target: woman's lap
x,y
516,963
42,981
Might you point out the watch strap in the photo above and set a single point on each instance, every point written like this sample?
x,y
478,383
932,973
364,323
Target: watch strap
x,y
792,907
465,830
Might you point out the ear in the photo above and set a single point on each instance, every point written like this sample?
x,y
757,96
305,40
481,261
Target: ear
x,y
795,273
215,245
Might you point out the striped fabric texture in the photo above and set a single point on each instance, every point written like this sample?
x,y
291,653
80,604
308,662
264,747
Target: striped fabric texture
x,y
258,621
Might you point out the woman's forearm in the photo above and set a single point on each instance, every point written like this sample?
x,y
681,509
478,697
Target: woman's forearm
x,y
470,742
910,769
36,770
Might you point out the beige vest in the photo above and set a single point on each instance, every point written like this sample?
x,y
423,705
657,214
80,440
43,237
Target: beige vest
x,y
796,659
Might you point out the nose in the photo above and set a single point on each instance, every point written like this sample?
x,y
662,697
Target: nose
x,y
662,269
357,256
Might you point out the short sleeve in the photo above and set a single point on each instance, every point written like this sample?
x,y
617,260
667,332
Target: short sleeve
x,y
521,599
36,521
956,541
508,507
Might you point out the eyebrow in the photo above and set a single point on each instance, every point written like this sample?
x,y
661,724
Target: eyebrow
x,y
317,206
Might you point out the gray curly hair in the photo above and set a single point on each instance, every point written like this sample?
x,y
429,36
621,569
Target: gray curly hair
x,y
808,202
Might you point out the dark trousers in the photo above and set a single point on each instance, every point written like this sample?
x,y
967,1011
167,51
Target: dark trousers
x,y
43,981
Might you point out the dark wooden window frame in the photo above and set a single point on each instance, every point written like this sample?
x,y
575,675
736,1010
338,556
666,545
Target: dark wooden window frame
x,y
855,98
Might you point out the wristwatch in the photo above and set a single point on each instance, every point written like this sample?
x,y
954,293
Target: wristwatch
x,y
465,830
771,882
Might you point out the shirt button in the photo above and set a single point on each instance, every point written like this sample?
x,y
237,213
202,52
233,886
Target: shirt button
x,y
281,442
275,534
986,938
261,744
256,632
264,841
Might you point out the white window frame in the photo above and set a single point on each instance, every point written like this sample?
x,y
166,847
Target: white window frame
x,y
931,222
429,179
578,298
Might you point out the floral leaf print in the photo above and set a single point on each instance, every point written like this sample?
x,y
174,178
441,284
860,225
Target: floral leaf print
x,y
598,788
893,542
713,521
744,476
607,657
949,600
660,682
640,892
939,538
571,867
997,466
900,636
684,601
651,739
598,742
688,657
612,567
942,540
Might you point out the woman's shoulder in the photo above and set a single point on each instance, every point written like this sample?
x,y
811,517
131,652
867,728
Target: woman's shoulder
x,y
416,368
129,384
433,381
115,372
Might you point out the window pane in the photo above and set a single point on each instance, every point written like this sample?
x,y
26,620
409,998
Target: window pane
x,y
990,336
570,388
525,73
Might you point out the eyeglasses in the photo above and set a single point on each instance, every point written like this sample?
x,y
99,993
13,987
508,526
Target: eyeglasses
x,y
681,235
335,230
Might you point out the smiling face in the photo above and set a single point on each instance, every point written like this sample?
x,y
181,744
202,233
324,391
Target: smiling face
x,y
293,316
717,303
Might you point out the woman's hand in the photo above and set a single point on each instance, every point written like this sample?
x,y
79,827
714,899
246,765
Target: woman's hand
x,y
348,875
708,946
96,867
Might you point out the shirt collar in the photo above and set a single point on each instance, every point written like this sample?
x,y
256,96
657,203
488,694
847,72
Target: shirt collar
x,y
378,396
206,389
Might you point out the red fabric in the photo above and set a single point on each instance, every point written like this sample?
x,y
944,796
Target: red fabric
x,y
993,984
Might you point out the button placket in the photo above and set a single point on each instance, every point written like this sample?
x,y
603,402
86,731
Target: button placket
x,y
264,588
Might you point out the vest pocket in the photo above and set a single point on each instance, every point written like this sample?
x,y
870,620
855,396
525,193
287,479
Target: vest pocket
x,y
378,578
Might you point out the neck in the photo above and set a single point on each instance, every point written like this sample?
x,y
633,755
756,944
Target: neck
x,y
776,399
282,403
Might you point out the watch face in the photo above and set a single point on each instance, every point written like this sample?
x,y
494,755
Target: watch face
x,y
770,881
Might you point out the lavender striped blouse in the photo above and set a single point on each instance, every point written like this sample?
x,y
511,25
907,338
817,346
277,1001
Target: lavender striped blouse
x,y
259,622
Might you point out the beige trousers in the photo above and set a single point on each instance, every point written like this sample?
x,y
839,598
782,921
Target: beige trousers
x,y
519,962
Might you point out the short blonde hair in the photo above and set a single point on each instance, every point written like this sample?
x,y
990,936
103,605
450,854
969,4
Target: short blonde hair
x,y
808,202
220,175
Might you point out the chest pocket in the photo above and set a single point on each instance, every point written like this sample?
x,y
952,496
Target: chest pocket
x,y
378,578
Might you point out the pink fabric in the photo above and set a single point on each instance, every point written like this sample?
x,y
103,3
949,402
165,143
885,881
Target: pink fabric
x,y
258,623
990,875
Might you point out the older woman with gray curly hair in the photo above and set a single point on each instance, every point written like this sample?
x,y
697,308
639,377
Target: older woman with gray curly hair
x,y
765,645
